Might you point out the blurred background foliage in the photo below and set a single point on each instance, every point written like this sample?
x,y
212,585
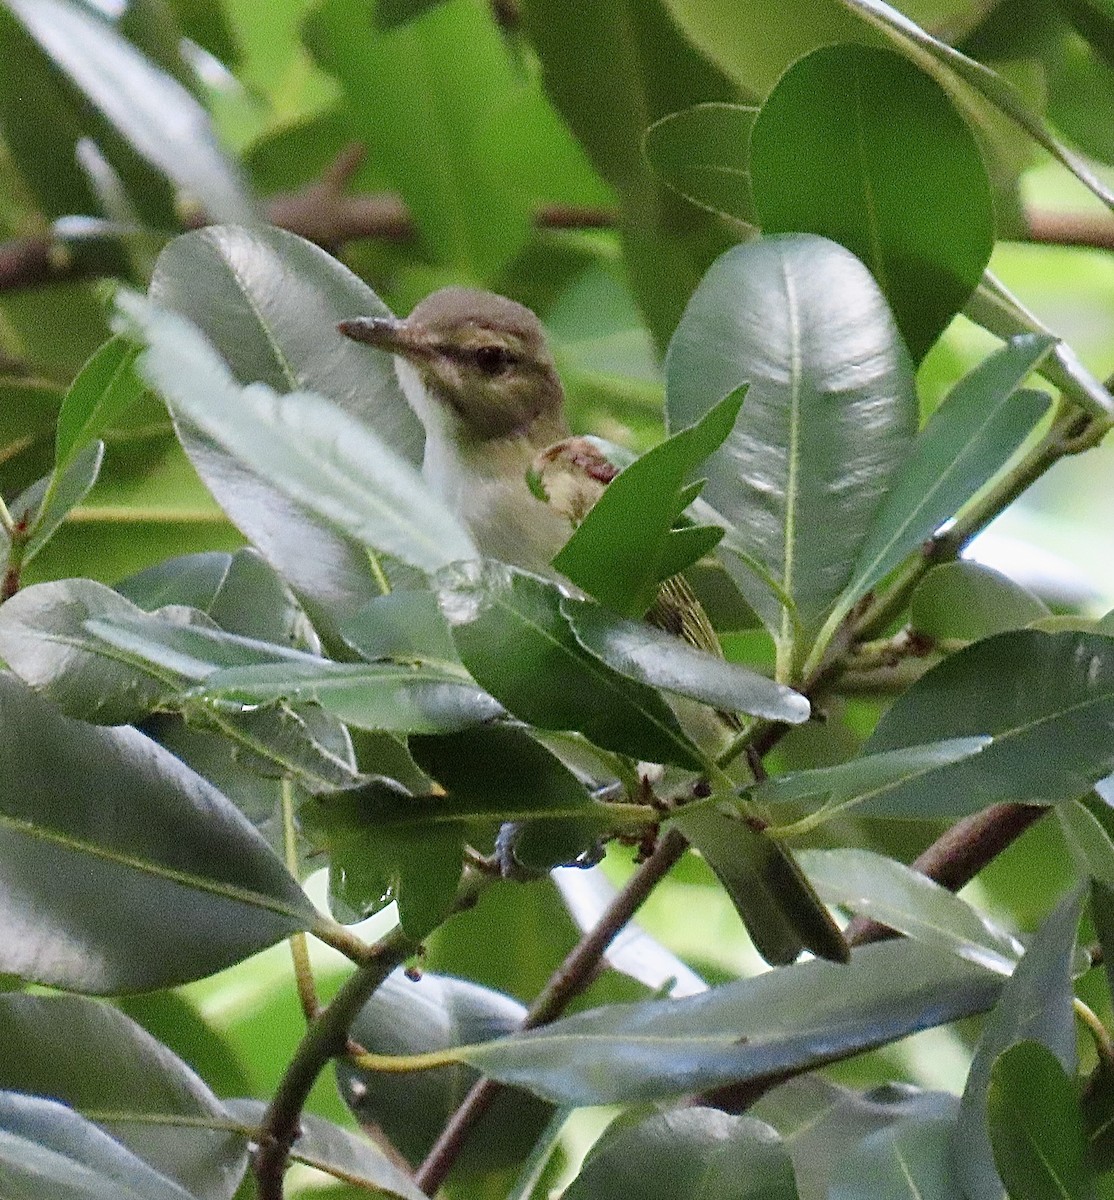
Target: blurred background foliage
x,y
502,145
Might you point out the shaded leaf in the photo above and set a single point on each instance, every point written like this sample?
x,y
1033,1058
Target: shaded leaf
x,y
46,1149
52,498
205,889
701,153
775,900
1047,699
401,625
909,1160
436,1011
859,145
903,899
512,637
967,600
700,1153
105,388
1036,1004
1036,1127
106,1065
788,1019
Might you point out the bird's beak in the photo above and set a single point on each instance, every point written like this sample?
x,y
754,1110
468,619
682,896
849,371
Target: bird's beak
x,y
385,333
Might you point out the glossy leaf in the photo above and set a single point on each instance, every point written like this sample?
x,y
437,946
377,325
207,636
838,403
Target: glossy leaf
x,y
617,552
1047,700
401,625
653,657
106,387
701,153
157,116
104,1064
773,897
700,1153
346,1156
1036,1128
401,698
512,637
793,1017
859,145
46,1149
967,440
206,890
269,303
1036,1004
903,899
411,1016
191,580
301,443
828,418
966,600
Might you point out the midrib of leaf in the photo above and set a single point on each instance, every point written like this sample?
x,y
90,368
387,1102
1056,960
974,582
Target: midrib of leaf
x,y
284,364
878,265
786,643
197,883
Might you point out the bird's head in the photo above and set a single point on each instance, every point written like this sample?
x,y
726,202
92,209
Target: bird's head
x,y
481,363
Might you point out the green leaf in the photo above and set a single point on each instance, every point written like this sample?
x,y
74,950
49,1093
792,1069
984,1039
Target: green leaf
x,y
205,890
419,697
968,601
776,902
413,1016
859,145
1089,837
302,444
1102,911
403,626
103,1064
46,1149
269,302
503,773
828,419
1036,1127
51,498
794,1018
1035,1004
903,899
514,640
610,78
190,580
158,117
909,1160
347,1156
105,388
617,552
654,657
967,440
700,1153
701,153
870,778
973,82
1047,700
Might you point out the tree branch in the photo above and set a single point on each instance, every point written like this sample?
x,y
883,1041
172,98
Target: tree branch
x,y
570,978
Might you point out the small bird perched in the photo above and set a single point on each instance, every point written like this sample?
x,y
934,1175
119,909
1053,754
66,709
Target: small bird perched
x,y
476,369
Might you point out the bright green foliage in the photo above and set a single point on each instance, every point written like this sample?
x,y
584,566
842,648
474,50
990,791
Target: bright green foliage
x,y
780,253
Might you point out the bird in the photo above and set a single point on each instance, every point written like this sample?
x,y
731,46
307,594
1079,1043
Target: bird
x,y
477,370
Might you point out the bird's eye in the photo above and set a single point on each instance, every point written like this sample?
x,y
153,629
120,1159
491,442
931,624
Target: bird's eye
x,y
492,360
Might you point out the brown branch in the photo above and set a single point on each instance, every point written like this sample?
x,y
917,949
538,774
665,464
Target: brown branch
x,y
570,978
1071,229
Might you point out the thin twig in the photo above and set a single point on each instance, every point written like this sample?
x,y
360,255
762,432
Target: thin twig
x,y
570,978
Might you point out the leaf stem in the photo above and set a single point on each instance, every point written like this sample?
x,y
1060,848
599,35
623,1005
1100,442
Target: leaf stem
x,y
299,945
